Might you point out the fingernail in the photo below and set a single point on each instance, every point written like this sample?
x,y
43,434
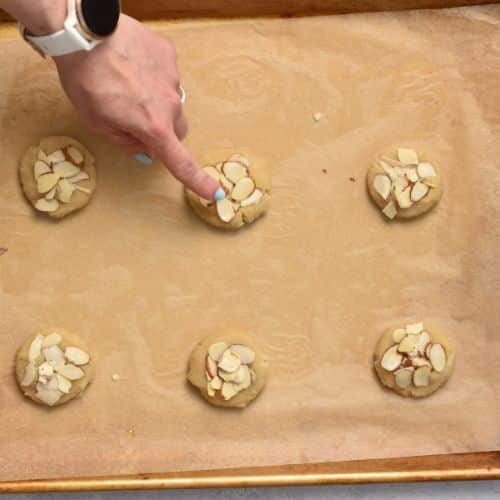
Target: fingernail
x,y
220,194
143,158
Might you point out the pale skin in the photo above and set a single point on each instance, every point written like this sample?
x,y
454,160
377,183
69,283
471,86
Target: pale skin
x,y
125,89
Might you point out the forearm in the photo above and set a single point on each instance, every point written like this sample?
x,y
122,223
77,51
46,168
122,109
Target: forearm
x,y
39,16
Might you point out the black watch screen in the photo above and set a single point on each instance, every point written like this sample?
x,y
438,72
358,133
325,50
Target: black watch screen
x,y
100,16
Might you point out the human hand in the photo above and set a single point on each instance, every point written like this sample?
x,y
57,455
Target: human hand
x,y
127,89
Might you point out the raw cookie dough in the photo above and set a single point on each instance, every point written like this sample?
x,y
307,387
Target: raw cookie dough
x,y
228,369
58,176
404,183
247,184
413,360
53,367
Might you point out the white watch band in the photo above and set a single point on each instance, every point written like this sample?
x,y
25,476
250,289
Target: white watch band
x,y
69,39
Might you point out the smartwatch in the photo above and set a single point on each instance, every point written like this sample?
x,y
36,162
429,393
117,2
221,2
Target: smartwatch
x,y
88,22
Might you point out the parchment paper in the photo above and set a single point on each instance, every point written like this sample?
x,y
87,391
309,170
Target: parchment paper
x,y
316,281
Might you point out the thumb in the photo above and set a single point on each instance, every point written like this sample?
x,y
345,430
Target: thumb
x,y
184,167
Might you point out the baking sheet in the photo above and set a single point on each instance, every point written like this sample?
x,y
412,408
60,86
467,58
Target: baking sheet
x,y
316,281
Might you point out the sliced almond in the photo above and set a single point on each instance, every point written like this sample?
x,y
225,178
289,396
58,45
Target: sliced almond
x,y
49,397
215,351
229,362
45,370
428,350
437,356
418,362
408,344
83,190
388,169
75,155
414,328
391,359
210,390
225,210
76,356
52,384
216,383
30,375
234,171
241,159
237,377
212,172
35,348
426,170
228,390
51,194
44,205
419,191
210,367
226,184
244,352
253,199
46,182
53,353
423,340
66,169
80,176
71,372
403,377
382,185
51,339
40,168
65,191
42,156
246,380
398,335
421,376
403,198
411,174
407,156
219,166
56,157
243,189
63,384
390,210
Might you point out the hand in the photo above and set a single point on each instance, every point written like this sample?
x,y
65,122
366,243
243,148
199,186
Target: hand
x,y
127,90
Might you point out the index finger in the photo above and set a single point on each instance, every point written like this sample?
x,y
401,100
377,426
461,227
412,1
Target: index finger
x,y
185,168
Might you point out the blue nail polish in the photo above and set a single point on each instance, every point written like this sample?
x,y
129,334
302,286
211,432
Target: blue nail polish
x,y
220,194
143,158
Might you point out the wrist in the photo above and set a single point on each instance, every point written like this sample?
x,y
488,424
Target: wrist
x,y
41,17
50,18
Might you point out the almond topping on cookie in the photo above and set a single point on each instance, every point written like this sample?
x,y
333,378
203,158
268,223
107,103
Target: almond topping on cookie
x,y
228,369
234,177
413,357
57,176
50,369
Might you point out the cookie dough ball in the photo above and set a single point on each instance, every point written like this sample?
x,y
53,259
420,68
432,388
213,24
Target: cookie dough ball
x,y
404,183
247,184
53,367
58,176
413,361
228,369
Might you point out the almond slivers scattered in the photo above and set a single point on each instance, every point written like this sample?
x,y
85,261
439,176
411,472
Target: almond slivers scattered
x,y
413,357
57,176
239,185
228,369
51,370
405,181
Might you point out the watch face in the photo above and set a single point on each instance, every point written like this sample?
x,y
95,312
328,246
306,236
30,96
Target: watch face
x,y
100,16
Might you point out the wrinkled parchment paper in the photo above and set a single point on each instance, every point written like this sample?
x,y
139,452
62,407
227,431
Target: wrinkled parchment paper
x,y
316,281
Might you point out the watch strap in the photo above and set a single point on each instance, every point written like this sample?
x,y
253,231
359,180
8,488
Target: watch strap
x,y
68,40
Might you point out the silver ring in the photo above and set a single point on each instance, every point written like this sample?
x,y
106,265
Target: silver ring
x,y
182,94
